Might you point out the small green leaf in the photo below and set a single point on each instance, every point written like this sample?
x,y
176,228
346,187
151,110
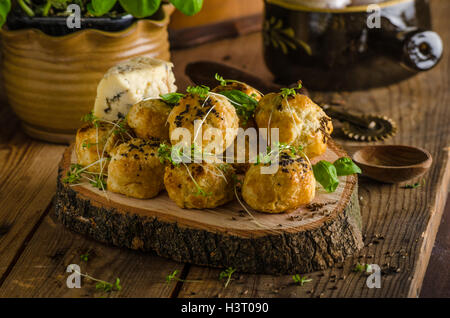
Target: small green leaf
x,y
345,166
201,91
188,7
101,7
5,7
140,8
325,173
172,98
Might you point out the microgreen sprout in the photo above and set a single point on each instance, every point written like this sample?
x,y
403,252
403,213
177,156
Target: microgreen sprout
x,y
91,118
172,98
101,284
301,280
173,277
286,92
360,268
98,182
414,185
85,257
227,274
201,91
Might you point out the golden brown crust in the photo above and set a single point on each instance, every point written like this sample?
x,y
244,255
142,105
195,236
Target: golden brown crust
x,y
291,186
215,184
148,119
300,121
93,143
246,89
215,112
135,169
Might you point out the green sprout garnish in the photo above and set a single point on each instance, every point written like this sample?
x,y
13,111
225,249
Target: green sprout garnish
x,y
172,98
98,182
74,173
108,287
301,280
85,257
286,92
91,118
362,268
201,91
173,277
227,274
245,105
292,151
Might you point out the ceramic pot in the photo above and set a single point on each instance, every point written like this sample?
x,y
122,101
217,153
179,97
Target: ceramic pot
x,y
342,48
51,81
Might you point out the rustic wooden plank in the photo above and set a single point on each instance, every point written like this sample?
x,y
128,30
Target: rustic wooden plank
x,y
41,269
406,219
437,278
27,186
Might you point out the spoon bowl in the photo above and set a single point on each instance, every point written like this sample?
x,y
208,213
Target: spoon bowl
x,y
392,163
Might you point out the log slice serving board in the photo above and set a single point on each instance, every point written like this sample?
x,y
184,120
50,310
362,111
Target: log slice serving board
x,y
302,240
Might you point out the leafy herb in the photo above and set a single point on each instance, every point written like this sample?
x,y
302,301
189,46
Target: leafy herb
x,y
188,7
5,7
121,127
201,91
414,185
286,92
173,277
138,8
100,7
91,118
301,280
227,274
98,182
279,148
172,98
165,153
74,173
88,144
244,104
325,173
362,268
345,166
224,82
108,287
85,257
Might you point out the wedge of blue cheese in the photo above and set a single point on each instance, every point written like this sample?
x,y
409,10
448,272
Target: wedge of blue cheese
x,y
130,82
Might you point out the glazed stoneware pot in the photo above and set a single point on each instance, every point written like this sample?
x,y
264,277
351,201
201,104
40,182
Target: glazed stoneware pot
x,y
51,81
337,45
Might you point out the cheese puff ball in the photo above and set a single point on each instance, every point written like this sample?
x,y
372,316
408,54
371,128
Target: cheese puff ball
x,y
291,186
135,169
213,185
246,89
93,142
300,121
148,119
214,111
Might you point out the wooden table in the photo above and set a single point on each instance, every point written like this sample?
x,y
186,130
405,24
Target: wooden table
x,y
35,250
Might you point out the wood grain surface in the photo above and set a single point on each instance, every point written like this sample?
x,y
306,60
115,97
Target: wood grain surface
x,y
400,224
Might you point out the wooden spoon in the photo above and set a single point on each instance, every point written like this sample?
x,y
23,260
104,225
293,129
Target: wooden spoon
x,y
392,163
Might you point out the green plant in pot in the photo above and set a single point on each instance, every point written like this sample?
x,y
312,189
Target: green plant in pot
x,y
51,71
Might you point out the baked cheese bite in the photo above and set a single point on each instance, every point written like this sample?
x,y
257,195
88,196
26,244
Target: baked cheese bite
x,y
213,111
135,169
199,185
300,121
148,119
244,121
291,186
93,142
